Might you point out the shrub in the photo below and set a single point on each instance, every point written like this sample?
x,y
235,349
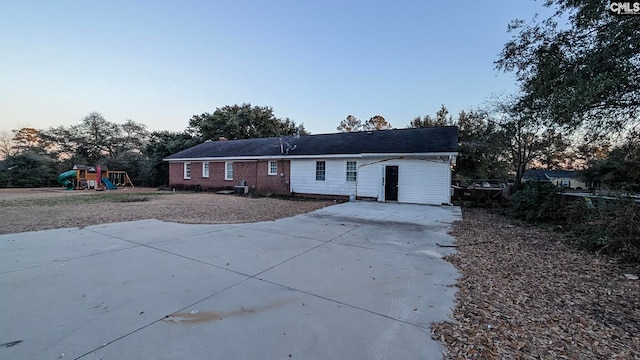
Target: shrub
x,y
536,202
4,178
606,225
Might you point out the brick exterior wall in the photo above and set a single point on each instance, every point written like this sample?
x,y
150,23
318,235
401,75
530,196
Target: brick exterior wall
x,y
255,173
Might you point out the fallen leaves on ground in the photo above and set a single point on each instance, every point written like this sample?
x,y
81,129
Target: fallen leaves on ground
x,y
525,294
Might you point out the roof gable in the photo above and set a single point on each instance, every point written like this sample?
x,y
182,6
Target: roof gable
x,y
400,141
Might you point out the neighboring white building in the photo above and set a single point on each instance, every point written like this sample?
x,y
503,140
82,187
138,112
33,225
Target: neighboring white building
x,y
405,165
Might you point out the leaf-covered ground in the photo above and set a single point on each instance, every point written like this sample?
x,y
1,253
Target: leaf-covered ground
x,y
524,294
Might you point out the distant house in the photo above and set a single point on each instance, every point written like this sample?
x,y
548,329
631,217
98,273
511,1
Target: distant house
x,y
560,178
405,165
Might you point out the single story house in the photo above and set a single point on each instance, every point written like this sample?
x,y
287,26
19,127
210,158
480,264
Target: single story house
x,y
561,178
404,165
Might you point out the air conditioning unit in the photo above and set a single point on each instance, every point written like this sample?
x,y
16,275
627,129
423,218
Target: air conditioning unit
x,y
241,190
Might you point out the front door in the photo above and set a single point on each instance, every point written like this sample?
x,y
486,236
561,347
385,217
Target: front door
x,y
391,183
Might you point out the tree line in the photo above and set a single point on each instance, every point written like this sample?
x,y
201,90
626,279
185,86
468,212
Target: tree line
x,y
501,143
493,144
34,157
578,73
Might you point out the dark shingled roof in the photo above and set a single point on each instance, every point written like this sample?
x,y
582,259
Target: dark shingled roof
x,y
543,175
404,141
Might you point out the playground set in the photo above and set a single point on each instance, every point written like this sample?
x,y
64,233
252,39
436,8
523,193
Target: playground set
x,y
83,177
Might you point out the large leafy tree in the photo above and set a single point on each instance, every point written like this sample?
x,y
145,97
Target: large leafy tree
x,y
442,118
481,147
30,168
28,161
423,122
377,122
242,122
6,145
133,137
97,136
619,169
96,139
579,67
482,151
349,124
352,123
554,153
162,144
27,139
527,139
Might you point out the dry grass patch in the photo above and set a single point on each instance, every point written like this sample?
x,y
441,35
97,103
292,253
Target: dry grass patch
x,y
52,211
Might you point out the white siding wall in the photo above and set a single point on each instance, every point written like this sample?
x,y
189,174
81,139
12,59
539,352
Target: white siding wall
x,y
422,181
303,177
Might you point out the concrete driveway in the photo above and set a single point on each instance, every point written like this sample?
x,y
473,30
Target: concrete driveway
x,y
352,281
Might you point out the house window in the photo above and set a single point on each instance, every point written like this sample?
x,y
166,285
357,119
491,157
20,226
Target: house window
x,y
228,171
352,171
187,170
320,170
205,169
273,168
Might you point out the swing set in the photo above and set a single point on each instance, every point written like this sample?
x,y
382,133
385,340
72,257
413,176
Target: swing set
x,y
120,178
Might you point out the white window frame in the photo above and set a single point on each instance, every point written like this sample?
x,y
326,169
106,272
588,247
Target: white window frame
x,y
228,170
353,172
270,167
205,169
186,170
324,170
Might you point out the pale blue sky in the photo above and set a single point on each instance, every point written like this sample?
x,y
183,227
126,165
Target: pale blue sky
x,y
160,62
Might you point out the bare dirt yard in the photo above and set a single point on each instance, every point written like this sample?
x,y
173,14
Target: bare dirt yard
x,y
41,209
525,294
